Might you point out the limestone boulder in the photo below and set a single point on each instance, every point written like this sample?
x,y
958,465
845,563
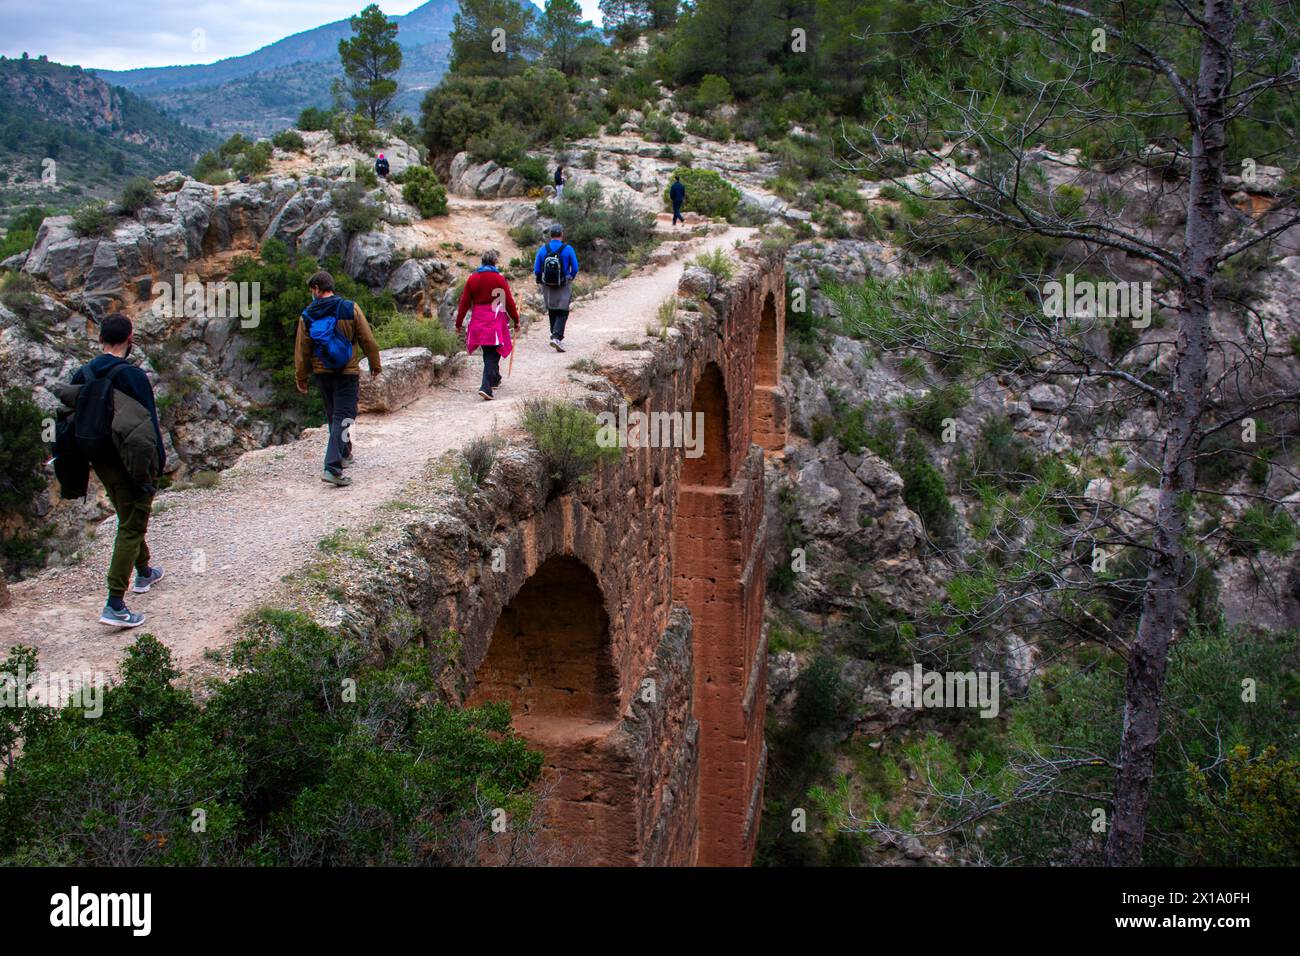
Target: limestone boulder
x,y
371,258
407,375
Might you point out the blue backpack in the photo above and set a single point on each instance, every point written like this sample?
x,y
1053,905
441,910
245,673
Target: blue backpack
x,y
332,349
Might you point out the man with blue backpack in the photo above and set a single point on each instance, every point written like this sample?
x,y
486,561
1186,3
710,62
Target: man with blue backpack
x,y
555,267
326,346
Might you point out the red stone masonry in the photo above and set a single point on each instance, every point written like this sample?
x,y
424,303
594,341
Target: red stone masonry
x,y
623,620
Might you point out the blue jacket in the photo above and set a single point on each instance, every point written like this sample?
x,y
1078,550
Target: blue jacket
x,y
677,192
568,258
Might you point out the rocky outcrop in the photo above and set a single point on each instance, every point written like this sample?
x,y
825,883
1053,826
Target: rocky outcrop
x,y
483,180
408,375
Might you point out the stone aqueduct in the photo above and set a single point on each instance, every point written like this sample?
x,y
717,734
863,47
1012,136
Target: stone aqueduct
x,y
626,627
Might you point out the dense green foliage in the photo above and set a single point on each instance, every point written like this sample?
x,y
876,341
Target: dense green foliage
x,y
604,234
308,756
23,452
21,231
284,295
566,436
420,187
237,156
136,194
707,193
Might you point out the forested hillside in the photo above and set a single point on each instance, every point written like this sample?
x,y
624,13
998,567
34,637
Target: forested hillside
x,y
66,136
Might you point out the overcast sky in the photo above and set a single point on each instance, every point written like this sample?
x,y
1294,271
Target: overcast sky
x,y
122,34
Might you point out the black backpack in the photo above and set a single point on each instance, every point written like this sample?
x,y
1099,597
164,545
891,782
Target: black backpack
x,y
553,266
93,417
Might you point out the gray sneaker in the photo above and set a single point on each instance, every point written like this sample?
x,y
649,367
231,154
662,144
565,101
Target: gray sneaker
x,y
143,582
122,618
341,481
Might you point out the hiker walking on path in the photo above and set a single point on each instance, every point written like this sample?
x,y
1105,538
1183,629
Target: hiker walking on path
x,y
325,347
559,182
488,300
555,267
381,167
114,430
677,193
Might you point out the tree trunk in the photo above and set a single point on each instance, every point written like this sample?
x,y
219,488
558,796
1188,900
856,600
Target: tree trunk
x,y
1161,603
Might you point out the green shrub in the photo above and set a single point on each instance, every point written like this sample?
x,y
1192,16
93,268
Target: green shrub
x,y
420,188
927,413
1251,818
287,766
1002,458
712,92
616,227
92,219
353,207
289,140
138,193
533,170
21,232
717,262
314,119
707,193
408,331
477,459
566,437
500,143
22,451
282,280
924,489
18,293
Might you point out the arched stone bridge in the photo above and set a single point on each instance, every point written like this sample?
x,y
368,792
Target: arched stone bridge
x,y
626,629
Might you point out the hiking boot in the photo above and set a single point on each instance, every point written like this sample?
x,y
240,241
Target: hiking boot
x,y
143,582
557,344
342,481
122,618
487,396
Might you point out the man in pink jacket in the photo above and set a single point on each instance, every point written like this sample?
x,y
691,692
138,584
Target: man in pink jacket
x,y
488,300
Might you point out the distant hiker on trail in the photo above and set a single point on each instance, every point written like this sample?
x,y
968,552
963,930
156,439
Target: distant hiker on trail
x,y
328,334
381,167
677,193
555,266
487,298
113,428
559,182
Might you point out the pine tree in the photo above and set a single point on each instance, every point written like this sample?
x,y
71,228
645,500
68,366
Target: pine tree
x,y
492,38
563,29
371,59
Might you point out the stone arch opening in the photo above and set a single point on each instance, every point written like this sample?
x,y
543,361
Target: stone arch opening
x,y
551,660
768,414
767,360
550,654
712,469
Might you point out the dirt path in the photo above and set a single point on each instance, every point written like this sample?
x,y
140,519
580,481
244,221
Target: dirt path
x,y
225,550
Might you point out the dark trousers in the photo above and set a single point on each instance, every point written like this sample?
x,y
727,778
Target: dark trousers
x,y
558,318
339,393
491,368
133,506
677,213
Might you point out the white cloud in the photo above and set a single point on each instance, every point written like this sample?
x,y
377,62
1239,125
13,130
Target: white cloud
x,y
125,34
